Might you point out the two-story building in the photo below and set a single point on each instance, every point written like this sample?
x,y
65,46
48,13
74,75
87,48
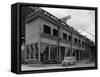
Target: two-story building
x,y
48,38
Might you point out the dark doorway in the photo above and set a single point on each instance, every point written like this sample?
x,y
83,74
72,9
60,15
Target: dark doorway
x,y
62,53
77,54
44,55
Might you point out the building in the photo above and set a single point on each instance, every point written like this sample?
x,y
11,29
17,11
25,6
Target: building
x,y
48,38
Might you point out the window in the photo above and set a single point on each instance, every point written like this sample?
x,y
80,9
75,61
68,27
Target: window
x,y
62,52
64,36
83,43
53,52
68,54
78,41
75,40
70,37
55,32
47,29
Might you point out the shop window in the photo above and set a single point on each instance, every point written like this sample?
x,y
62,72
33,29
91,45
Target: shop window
x,y
47,29
36,46
68,53
62,53
53,52
32,51
55,32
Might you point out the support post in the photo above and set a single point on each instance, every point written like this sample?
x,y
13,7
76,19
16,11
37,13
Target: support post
x,y
34,50
71,46
49,51
59,53
39,53
25,52
29,52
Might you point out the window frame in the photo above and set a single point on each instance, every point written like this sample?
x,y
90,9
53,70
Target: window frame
x,y
54,32
64,34
47,30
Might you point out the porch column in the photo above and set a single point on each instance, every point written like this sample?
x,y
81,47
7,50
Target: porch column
x,y
82,56
59,51
49,51
39,60
25,52
71,46
29,52
34,50
79,55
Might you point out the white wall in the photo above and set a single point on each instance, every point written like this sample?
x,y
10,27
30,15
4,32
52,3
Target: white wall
x,y
5,42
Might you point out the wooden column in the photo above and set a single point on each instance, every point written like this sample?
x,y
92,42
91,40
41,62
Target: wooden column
x,y
34,50
65,51
25,52
29,52
39,44
79,54
59,52
71,46
49,51
58,48
39,59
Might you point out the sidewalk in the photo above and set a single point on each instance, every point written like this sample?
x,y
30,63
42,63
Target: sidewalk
x,y
84,61
41,66
55,66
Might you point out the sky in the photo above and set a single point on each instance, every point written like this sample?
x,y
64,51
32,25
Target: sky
x,y
81,20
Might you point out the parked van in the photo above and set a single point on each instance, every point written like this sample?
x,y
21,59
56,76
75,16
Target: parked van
x,y
69,61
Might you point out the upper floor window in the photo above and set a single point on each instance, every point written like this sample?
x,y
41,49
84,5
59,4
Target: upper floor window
x,y
64,36
78,41
47,29
70,38
55,32
83,43
75,40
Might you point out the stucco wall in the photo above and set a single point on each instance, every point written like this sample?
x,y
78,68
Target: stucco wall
x,y
32,32
36,26
64,31
43,21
